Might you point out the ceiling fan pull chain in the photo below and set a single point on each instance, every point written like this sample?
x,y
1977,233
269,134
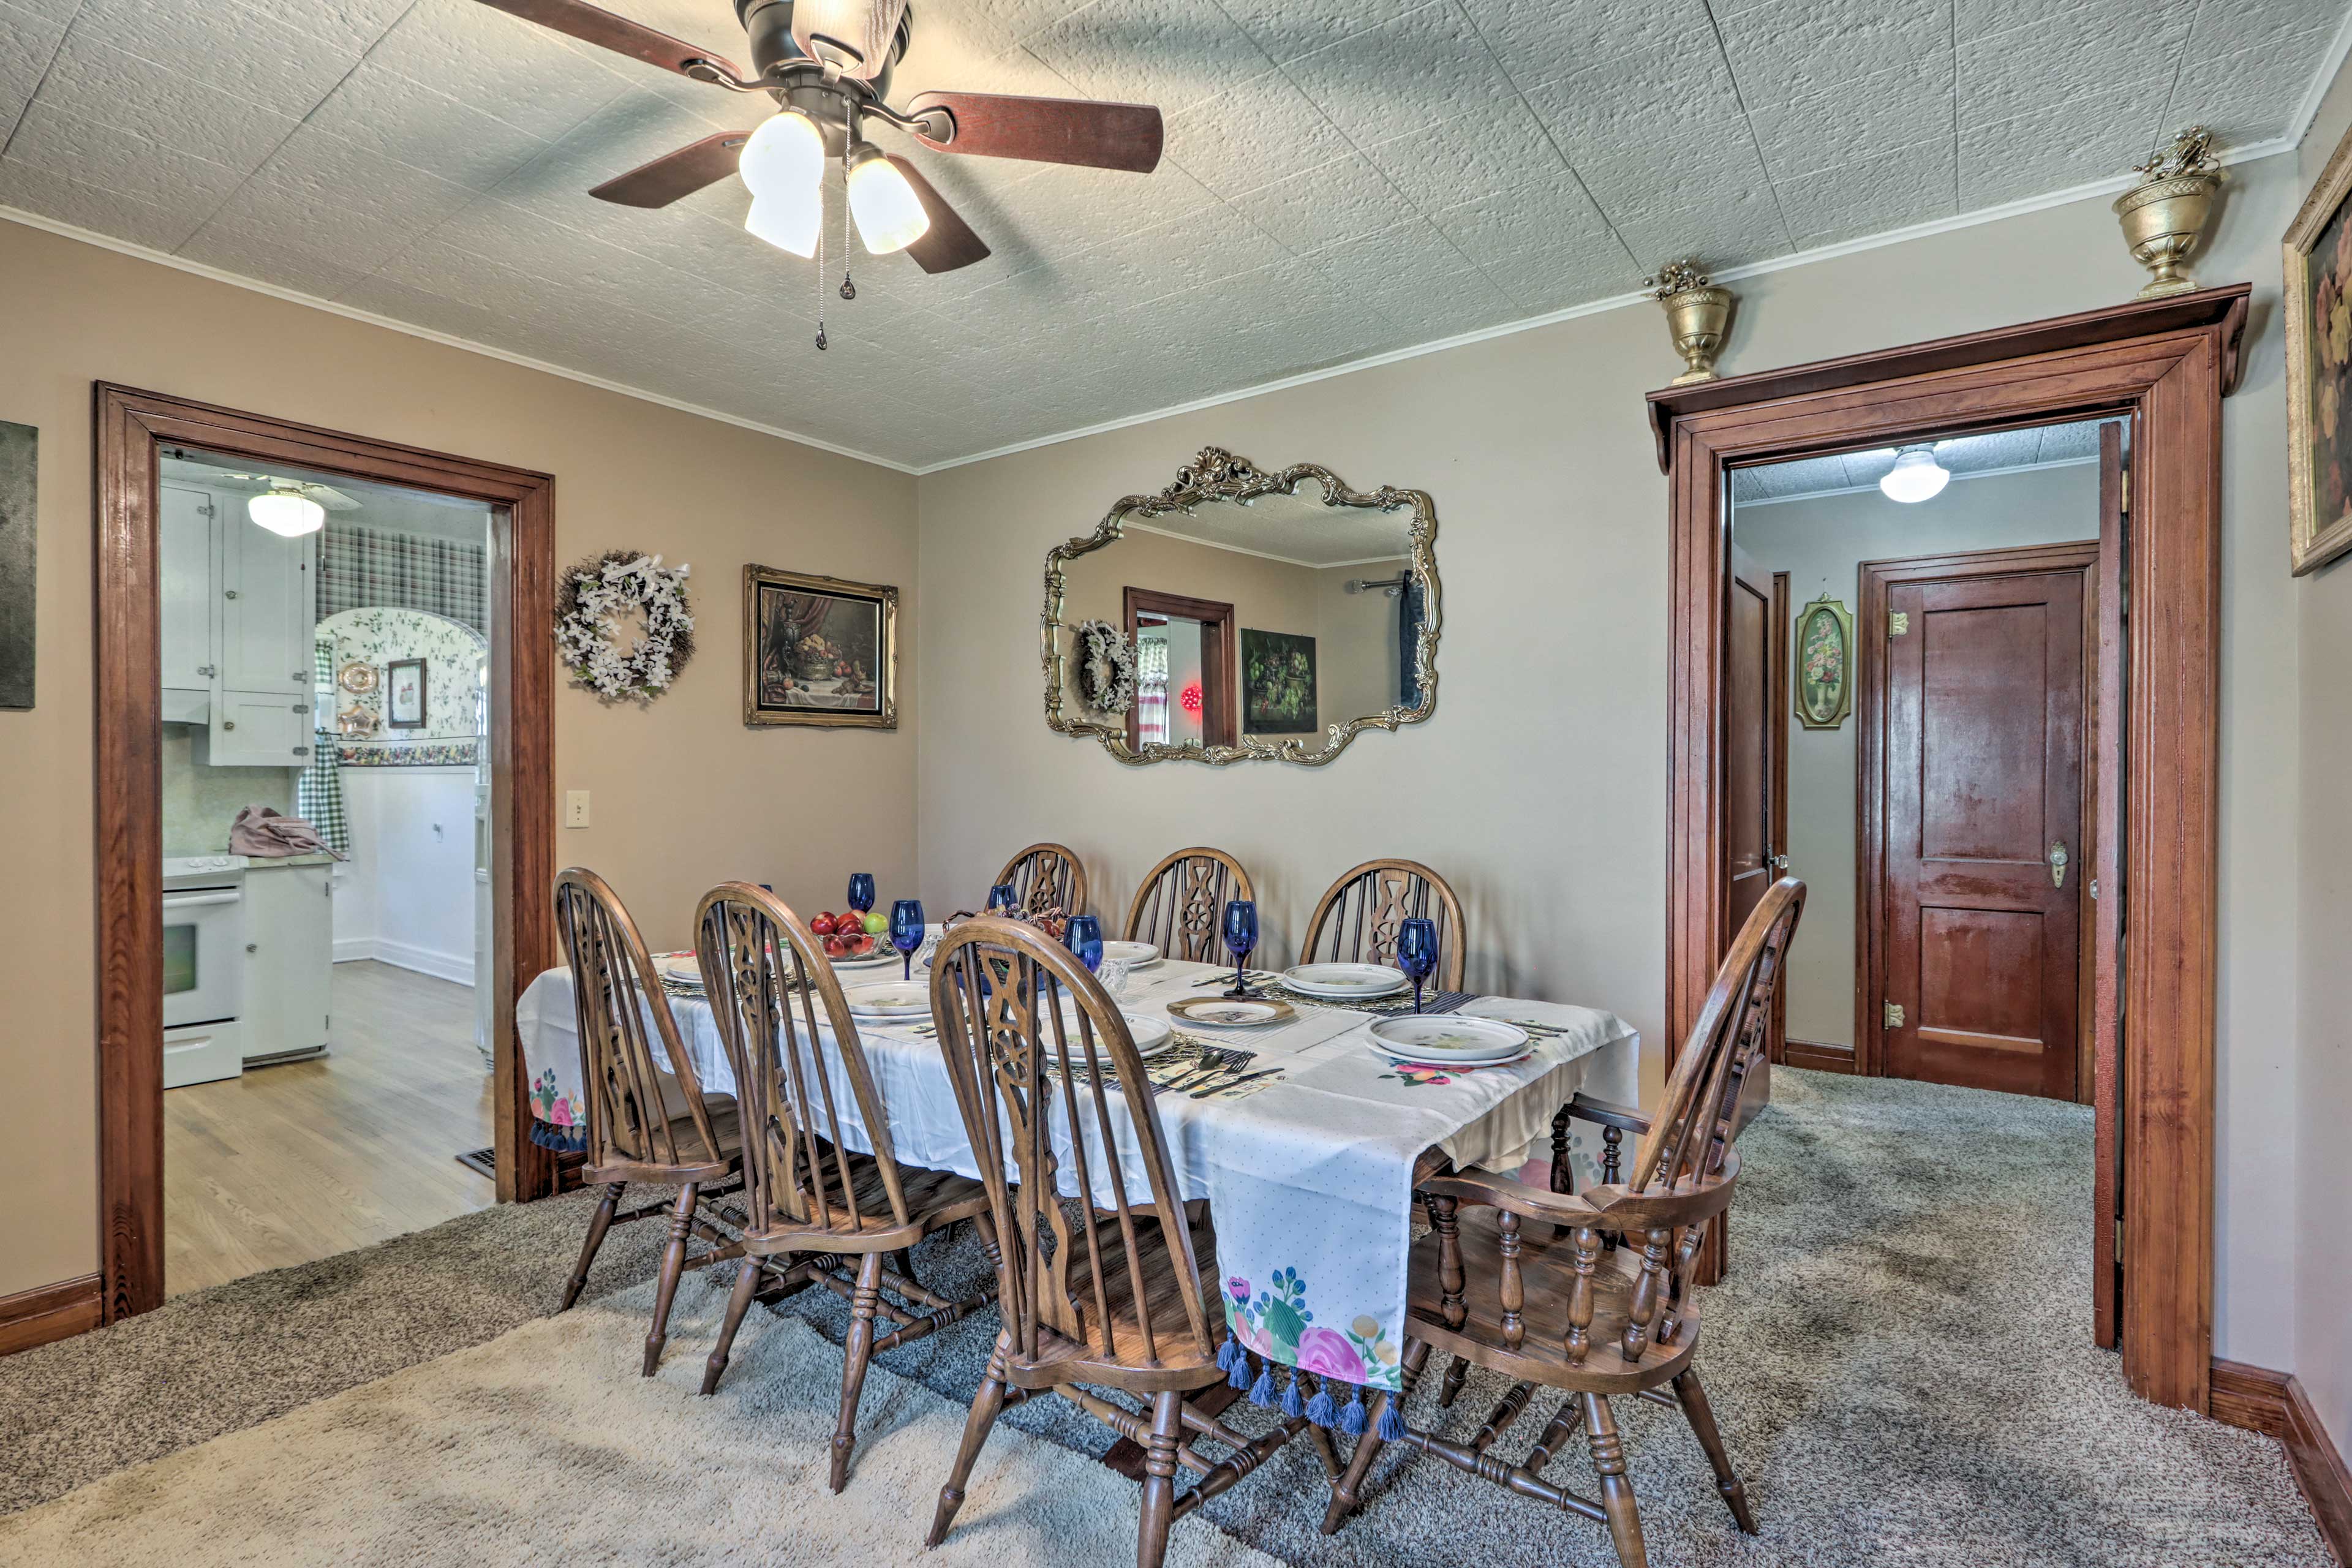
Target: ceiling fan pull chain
x,y
820,270
848,289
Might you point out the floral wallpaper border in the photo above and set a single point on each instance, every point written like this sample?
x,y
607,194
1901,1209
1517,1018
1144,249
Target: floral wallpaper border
x,y
409,754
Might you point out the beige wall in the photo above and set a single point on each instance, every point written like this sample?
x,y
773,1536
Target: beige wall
x,y
2322,1077
1820,543
1355,642
683,794
1538,786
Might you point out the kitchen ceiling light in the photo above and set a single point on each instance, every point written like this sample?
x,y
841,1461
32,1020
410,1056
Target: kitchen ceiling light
x,y
890,217
785,156
1916,476
287,511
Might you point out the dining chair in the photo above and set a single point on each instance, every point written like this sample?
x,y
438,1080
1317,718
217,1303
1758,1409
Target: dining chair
x,y
1179,904
817,1211
1552,1308
648,1121
1357,921
1114,1294
1046,876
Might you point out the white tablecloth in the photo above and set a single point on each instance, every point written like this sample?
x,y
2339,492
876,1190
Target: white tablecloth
x,y
1308,1180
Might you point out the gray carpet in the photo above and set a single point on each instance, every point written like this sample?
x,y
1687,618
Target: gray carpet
x,y
1901,1363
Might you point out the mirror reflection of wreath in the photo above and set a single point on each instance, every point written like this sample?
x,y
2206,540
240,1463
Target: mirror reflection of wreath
x,y
1105,667
593,597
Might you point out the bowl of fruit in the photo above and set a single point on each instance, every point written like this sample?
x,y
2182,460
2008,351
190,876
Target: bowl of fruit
x,y
852,939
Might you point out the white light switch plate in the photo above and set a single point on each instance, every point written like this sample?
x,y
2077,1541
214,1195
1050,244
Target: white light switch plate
x,y
575,808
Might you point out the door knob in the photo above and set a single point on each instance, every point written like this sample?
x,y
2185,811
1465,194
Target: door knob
x,y
2057,864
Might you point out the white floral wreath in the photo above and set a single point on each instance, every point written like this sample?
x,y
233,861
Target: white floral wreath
x,y
1106,664
587,598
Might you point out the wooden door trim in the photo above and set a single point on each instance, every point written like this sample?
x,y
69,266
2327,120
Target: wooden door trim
x,y
130,426
1875,577
2167,369
1783,674
1222,725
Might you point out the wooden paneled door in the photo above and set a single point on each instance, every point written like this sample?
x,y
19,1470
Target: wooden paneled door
x,y
1975,723
1756,756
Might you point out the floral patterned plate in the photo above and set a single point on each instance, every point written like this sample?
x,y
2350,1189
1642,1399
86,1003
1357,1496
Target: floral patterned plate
x,y
1447,1037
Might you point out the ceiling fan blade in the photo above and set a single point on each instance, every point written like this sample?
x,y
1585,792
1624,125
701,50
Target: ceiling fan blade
x,y
950,242
676,174
1049,129
593,25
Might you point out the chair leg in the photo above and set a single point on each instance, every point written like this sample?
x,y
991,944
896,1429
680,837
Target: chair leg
x,y
1346,1491
1701,1416
747,1285
1455,1376
1160,1479
985,1406
1616,1491
673,1265
857,1351
598,1224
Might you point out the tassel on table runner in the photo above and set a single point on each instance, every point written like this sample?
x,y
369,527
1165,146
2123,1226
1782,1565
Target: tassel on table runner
x,y
1391,1427
1351,1419
1291,1406
1261,1392
1321,1408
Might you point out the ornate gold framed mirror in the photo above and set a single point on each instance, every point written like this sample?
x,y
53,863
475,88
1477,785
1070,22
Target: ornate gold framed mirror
x,y
1245,615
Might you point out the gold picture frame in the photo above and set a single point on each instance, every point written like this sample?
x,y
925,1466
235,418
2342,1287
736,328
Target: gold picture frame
x,y
794,623
1822,685
2317,262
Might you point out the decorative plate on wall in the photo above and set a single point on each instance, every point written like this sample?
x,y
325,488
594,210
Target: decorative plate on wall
x,y
358,677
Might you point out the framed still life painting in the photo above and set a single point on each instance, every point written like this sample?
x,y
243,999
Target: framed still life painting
x,y
2318,264
1277,683
1824,683
819,650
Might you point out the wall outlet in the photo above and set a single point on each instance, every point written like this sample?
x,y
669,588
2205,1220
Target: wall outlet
x,y
575,808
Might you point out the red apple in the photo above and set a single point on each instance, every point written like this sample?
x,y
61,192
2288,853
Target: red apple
x,y
822,925
835,947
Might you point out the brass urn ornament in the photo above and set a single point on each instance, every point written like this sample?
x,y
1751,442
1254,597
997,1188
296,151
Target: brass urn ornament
x,y
1696,313
2164,215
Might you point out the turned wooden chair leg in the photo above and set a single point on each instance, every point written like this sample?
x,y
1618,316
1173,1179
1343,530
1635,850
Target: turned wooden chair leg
x,y
1160,1479
598,1224
1347,1491
857,1350
1616,1491
746,1284
1701,1416
673,1265
1455,1376
985,1406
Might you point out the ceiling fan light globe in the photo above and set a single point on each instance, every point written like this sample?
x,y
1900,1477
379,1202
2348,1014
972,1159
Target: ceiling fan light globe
x,y
787,222
890,217
1916,476
287,513
784,155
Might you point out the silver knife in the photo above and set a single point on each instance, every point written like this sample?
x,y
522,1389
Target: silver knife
x,y
1234,1082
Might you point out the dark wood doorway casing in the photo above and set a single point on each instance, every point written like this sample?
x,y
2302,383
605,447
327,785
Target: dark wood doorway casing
x,y
1220,687
130,426
2166,365
1877,934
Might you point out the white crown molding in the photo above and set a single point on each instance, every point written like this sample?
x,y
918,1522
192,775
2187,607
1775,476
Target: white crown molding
x,y
2325,77
409,328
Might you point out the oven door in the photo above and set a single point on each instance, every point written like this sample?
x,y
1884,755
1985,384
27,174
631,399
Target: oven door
x,y
203,954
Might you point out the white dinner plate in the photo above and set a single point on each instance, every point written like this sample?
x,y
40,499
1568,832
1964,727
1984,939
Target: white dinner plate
x,y
1435,1037
891,999
1340,982
1134,954
1150,1033
680,969
1230,1013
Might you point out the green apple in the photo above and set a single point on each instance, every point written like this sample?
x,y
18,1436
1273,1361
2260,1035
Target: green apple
x,y
876,922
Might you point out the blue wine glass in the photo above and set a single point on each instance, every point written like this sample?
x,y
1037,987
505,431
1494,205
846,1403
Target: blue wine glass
x,y
1083,938
1416,952
1002,898
907,933
1241,935
861,890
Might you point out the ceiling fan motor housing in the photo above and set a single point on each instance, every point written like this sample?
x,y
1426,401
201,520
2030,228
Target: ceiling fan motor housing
x,y
840,30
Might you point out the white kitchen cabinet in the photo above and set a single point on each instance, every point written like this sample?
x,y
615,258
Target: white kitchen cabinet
x,y
266,610
238,619
189,591
258,730
290,957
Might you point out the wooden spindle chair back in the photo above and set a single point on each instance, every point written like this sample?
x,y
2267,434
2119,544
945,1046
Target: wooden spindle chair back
x,y
633,1105
1028,1076
1046,876
769,988
1180,906
1357,919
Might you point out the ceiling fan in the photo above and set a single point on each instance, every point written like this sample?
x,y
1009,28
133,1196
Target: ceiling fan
x,y
827,64
292,506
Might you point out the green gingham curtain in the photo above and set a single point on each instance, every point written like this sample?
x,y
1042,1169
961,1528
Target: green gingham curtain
x,y
362,567
318,794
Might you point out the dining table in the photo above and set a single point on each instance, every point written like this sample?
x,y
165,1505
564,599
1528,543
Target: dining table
x,y
1305,1138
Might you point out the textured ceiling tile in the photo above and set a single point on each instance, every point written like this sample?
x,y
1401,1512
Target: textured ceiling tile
x,y
1469,158
238,50
1171,53
1412,275
95,154
1613,105
501,65
1856,120
305,191
355,21
58,12
401,301
106,85
1286,29
383,110
273,256
2249,95
1338,201
2225,29
1549,216
634,129
1173,257
1262,131
1900,186
2079,438
2049,64
1018,18
1364,84
160,226
28,41
2084,139
1785,49
1978,454
1974,19
1543,41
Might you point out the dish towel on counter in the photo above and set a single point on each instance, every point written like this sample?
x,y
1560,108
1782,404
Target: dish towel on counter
x,y
264,831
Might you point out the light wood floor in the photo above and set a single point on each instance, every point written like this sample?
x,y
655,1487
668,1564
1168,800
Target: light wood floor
x,y
292,1163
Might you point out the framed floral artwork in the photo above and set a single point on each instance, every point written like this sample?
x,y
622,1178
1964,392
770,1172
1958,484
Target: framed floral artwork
x,y
819,650
1824,683
2318,265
